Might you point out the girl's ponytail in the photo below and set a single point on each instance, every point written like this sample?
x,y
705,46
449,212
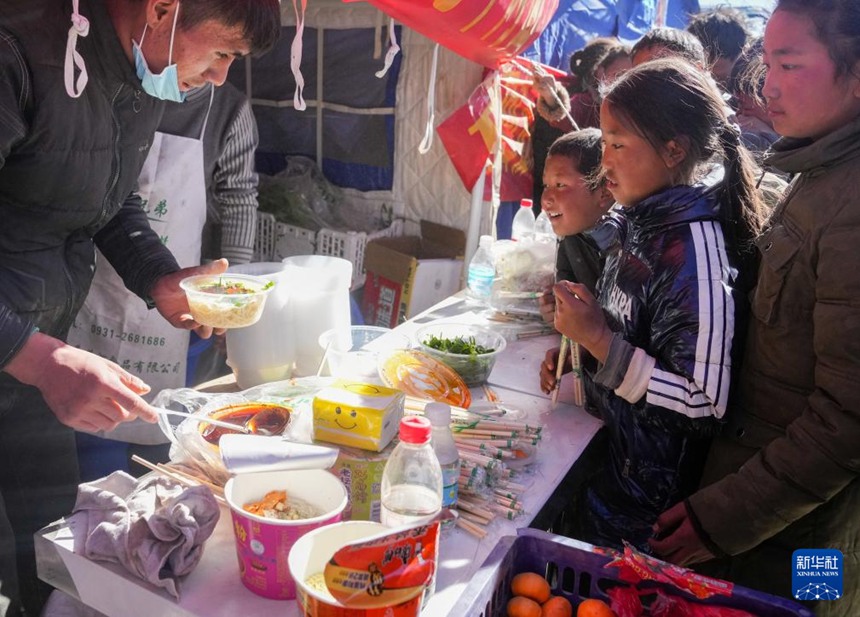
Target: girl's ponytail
x,y
742,210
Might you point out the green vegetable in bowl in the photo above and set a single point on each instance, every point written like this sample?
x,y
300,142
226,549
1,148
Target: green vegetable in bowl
x,y
458,345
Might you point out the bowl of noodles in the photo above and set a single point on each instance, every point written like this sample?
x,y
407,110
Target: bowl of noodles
x,y
271,511
226,300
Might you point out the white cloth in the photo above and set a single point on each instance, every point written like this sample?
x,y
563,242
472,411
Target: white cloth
x,y
155,528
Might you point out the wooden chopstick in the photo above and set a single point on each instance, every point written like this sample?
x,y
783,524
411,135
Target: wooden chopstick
x,y
173,476
559,369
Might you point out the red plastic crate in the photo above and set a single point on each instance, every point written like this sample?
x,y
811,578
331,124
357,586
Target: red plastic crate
x,y
577,573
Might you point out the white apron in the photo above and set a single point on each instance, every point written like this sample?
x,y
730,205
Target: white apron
x,y
114,323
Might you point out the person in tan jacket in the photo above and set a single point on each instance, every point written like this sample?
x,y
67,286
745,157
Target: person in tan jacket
x,y
784,474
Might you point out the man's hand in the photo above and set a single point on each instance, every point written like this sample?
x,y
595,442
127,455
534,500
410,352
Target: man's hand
x,y
172,303
85,391
676,540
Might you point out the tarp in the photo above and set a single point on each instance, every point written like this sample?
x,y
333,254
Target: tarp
x,y
578,21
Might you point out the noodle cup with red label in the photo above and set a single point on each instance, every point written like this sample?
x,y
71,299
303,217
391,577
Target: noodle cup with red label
x,y
314,553
270,512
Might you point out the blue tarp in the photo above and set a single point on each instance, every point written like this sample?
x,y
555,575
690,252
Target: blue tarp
x,y
578,21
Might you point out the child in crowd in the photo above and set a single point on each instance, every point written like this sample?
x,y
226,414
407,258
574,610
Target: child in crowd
x,y
575,200
661,339
723,34
579,98
784,473
665,42
745,85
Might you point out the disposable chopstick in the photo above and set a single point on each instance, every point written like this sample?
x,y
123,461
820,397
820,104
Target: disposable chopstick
x,y
218,490
559,369
464,504
474,518
471,528
490,394
173,476
575,360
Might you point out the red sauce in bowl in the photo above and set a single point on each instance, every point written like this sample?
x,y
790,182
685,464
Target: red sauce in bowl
x,y
260,418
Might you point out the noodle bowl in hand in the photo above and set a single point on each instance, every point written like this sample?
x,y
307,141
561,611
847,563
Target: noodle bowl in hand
x,y
226,300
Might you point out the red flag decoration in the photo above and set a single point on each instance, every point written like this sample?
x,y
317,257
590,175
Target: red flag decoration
x,y
469,134
489,32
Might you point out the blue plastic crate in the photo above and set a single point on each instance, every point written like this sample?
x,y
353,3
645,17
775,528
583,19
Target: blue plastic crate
x,y
576,573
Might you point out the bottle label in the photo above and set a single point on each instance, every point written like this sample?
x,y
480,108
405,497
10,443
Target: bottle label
x,y
480,282
450,480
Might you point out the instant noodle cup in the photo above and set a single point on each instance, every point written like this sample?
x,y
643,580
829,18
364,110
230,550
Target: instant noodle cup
x,y
309,558
263,544
226,300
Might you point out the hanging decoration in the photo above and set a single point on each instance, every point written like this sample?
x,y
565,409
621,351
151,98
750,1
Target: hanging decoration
x,y
489,32
470,135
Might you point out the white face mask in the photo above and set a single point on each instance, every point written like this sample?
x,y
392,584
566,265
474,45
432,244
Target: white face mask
x,y
164,86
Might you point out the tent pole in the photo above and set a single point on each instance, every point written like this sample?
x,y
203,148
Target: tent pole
x,y
475,214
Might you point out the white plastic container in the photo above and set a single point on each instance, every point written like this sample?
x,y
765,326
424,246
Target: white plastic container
x,y
319,301
264,351
214,301
353,352
523,225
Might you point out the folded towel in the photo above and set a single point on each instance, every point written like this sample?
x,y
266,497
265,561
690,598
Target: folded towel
x,y
155,527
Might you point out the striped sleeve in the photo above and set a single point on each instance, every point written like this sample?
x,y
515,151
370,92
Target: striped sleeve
x,y
692,333
235,188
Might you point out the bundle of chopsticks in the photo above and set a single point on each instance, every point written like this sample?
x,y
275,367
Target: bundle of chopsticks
x,y
485,441
182,476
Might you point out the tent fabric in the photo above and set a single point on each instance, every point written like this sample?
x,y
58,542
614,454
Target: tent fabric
x,y
578,21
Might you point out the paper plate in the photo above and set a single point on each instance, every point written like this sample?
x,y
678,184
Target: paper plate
x,y
419,375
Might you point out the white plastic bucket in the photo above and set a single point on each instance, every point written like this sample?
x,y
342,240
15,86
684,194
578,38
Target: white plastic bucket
x,y
319,301
265,351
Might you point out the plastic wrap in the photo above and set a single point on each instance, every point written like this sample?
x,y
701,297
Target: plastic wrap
x,y
524,271
188,447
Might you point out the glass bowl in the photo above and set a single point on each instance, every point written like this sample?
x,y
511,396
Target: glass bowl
x,y
226,300
474,368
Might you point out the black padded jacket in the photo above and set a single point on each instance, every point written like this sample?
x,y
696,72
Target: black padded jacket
x,y
68,168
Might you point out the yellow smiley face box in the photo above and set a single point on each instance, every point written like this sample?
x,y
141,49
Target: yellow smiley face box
x,y
358,415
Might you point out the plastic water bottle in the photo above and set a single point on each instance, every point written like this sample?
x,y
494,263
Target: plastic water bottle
x,y
412,478
523,225
443,444
543,228
482,271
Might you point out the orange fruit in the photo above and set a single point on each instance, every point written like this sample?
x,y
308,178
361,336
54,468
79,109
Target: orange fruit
x,y
532,586
556,606
594,608
519,606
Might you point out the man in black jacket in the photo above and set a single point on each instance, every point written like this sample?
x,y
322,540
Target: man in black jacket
x,y
80,89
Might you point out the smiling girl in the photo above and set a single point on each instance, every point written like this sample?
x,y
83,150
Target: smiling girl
x,y
784,476
663,332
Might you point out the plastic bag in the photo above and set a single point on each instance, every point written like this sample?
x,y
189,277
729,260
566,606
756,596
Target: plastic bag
x,y
301,196
524,271
188,447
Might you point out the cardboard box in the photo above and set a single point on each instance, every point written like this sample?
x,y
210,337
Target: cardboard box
x,y
408,274
357,415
